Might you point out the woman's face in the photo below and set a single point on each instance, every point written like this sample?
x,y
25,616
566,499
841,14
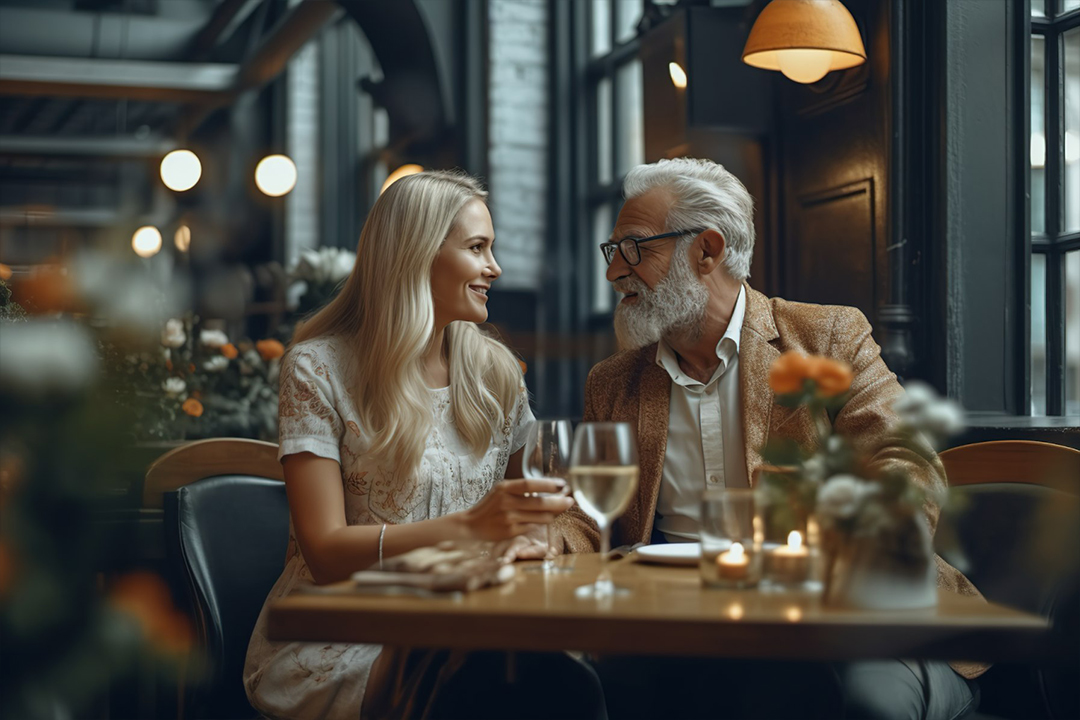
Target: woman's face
x,y
465,268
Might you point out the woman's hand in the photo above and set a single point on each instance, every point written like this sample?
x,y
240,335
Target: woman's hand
x,y
513,505
529,545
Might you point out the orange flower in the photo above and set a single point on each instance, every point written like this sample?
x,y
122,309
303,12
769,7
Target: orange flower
x,y
168,365
5,272
145,597
270,349
229,350
832,377
524,367
788,372
192,407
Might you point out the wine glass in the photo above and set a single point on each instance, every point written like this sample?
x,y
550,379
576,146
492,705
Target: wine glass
x,y
547,455
604,479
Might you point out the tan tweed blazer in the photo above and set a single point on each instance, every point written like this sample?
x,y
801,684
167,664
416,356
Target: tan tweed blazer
x,y
630,387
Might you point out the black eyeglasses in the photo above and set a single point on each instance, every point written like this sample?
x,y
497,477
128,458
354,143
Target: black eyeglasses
x,y
629,246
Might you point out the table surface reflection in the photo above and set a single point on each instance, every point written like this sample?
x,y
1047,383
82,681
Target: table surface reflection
x,y
667,612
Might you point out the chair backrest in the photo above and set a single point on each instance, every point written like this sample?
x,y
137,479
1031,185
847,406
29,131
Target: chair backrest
x,y
1014,461
230,533
207,458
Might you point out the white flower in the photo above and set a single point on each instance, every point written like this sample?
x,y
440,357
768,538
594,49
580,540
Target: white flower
x,y
841,496
216,364
173,335
213,338
325,265
42,357
921,408
174,386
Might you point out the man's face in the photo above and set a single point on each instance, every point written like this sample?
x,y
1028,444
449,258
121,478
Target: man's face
x,y
662,294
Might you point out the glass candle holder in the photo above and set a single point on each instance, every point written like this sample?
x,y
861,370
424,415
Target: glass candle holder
x,y
730,556
788,541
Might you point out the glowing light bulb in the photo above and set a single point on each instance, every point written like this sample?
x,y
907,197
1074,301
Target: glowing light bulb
x,y
182,238
804,65
403,171
180,170
678,75
794,540
275,175
146,242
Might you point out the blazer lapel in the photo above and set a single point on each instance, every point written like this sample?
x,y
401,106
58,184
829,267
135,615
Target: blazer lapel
x,y
756,355
654,398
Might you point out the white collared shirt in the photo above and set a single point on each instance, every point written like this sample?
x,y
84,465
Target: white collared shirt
x,y
705,434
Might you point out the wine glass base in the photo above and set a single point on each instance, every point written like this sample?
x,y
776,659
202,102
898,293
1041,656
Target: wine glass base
x,y
601,589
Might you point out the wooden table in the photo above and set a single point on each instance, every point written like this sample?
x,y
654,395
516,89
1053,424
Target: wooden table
x,y
667,613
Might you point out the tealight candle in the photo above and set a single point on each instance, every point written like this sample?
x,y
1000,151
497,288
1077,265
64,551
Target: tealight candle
x,y
789,563
734,564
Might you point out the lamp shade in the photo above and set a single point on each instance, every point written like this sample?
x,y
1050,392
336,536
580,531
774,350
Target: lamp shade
x,y
804,39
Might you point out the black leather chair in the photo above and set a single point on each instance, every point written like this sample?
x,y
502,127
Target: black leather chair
x,y
229,534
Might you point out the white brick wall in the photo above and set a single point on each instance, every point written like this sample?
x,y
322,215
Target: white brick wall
x,y
518,137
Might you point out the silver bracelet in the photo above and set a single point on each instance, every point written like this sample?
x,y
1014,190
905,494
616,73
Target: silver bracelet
x,y
382,533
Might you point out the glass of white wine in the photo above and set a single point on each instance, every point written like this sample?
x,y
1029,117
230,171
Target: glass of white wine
x,y
547,455
604,479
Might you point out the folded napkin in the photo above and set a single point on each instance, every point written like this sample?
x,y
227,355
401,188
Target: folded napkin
x,y
446,567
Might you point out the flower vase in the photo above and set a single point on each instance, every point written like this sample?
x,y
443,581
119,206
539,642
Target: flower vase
x,y
893,569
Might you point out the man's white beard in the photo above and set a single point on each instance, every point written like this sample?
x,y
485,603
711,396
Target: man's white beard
x,y
675,307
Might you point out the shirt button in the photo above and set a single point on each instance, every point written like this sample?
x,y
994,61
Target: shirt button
x,y
713,479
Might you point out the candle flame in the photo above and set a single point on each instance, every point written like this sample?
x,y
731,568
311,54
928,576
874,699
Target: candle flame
x,y
735,612
793,613
794,540
736,552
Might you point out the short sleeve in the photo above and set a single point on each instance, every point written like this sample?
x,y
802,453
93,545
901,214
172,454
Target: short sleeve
x,y
307,418
523,418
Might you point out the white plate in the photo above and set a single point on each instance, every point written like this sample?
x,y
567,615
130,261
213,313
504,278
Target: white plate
x,y
670,553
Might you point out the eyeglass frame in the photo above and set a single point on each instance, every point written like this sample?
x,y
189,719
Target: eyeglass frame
x,y
637,244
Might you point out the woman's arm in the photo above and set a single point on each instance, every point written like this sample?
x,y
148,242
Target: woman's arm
x,y
334,549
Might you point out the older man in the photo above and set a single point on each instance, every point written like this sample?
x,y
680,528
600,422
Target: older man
x,y
697,342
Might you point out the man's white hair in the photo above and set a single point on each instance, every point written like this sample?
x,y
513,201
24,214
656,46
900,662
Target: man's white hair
x,y
704,195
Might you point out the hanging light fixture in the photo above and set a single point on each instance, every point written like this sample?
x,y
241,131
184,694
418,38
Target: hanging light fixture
x,y
804,39
678,75
180,170
182,238
406,169
275,175
146,242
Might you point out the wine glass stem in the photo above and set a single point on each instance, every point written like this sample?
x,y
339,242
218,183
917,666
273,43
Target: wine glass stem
x,y
605,548
549,561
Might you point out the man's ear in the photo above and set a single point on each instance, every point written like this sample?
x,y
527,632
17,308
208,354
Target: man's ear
x,y
711,247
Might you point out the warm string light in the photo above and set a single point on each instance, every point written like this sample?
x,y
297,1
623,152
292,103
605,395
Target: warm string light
x,y
146,242
182,238
275,175
180,170
678,75
403,171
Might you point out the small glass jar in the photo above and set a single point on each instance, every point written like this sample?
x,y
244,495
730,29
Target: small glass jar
x,y
730,556
789,547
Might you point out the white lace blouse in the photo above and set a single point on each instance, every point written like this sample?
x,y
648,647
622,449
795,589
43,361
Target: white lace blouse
x,y
320,680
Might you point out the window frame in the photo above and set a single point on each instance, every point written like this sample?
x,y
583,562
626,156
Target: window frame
x,y
1052,243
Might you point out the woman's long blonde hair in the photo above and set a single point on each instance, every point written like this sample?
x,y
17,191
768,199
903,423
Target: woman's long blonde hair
x,y
386,315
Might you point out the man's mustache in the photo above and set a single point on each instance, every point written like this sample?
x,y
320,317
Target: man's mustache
x,y
630,285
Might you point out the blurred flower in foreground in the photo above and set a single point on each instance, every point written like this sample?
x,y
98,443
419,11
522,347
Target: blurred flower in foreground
x,y
921,409
213,338
173,335
43,357
145,597
823,377
192,407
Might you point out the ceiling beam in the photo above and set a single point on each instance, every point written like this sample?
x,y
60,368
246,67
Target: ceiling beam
x,y
227,15
101,78
96,147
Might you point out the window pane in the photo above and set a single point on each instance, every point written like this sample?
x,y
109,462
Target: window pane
x,y
1069,5
630,117
1071,184
601,27
1038,8
1038,135
1038,334
601,231
1072,333
627,15
603,131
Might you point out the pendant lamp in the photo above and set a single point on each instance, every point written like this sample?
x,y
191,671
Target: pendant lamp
x,y
804,39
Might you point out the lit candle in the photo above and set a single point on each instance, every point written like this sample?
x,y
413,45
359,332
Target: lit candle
x,y
791,562
733,564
